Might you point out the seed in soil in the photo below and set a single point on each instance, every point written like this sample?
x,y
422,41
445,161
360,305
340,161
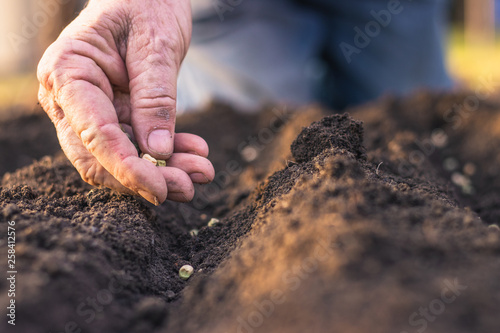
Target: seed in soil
x,y
213,221
194,232
186,271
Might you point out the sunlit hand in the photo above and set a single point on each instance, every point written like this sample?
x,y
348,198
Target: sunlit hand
x,y
117,63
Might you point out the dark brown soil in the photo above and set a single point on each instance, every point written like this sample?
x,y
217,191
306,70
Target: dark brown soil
x,y
24,139
381,221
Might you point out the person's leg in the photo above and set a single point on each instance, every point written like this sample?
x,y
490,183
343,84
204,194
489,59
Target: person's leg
x,y
378,46
250,53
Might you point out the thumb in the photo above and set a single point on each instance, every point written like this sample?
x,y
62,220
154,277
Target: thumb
x,y
153,79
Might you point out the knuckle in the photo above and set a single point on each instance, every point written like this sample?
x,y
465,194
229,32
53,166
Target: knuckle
x,y
53,61
157,55
99,135
155,104
46,64
65,80
90,136
159,44
59,79
160,105
87,170
156,50
62,63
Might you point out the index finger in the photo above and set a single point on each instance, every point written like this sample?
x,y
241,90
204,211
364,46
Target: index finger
x,y
92,116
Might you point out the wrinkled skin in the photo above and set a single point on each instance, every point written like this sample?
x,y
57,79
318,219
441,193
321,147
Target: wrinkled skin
x,y
117,64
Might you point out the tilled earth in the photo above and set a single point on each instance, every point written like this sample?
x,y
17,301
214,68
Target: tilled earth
x,y
381,220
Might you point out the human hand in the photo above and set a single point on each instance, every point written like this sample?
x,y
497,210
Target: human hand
x,y
117,64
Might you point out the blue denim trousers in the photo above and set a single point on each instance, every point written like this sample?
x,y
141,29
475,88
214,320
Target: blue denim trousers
x,y
335,52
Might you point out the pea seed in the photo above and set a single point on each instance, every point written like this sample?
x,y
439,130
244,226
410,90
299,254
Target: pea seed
x,y
186,271
161,163
149,158
194,232
213,221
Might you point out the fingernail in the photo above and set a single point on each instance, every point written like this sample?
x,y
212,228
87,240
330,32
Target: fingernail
x,y
198,177
160,142
149,197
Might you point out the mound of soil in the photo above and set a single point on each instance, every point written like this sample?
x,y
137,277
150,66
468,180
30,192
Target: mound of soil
x,y
383,220
331,133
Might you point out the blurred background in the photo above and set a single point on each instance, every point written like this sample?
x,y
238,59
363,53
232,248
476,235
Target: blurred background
x,y
27,27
